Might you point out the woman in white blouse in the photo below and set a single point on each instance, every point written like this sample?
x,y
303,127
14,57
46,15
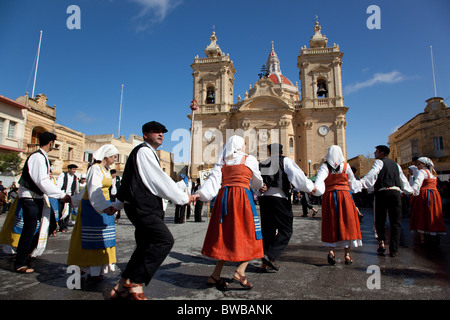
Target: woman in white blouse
x,y
92,245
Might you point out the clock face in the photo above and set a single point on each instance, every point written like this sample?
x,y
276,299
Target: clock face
x,y
323,130
208,135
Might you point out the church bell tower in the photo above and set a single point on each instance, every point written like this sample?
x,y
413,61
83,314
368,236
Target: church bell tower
x,y
321,117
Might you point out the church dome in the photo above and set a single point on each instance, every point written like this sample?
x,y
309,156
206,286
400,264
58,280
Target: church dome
x,y
274,70
279,78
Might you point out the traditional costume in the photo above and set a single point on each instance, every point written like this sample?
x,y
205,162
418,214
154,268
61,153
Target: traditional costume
x,y
92,245
278,173
34,183
144,184
340,222
426,205
234,231
389,182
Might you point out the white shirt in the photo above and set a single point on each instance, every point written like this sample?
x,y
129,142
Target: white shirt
x,y
155,179
370,178
355,185
209,189
418,180
60,183
295,176
38,169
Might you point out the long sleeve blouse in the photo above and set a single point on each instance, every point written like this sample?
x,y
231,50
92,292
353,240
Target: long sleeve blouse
x,y
211,187
355,185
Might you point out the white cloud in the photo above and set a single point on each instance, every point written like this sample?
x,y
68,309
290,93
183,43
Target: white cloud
x,y
153,11
378,78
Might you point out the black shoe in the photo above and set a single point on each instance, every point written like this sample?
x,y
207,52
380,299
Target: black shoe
x,y
392,254
331,259
381,247
269,265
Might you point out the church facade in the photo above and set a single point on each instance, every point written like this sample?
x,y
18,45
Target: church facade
x,y
305,120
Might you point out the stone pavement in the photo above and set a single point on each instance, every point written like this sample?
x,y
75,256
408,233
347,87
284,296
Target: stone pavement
x,y
415,274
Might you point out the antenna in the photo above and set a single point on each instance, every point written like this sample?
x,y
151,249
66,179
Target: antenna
x,y
432,65
37,63
120,112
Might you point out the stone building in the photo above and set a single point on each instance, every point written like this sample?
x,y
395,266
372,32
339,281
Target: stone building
x,y
306,123
426,134
69,146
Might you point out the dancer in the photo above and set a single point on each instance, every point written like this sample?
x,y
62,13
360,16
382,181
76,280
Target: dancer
x,y
92,245
426,209
234,232
34,183
144,184
340,223
278,173
389,182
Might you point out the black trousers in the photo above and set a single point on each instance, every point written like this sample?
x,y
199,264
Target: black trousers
x,y
305,204
64,223
180,212
388,203
276,224
153,243
198,211
32,212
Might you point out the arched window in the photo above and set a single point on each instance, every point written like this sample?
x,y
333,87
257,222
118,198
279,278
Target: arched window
x,y
35,134
322,89
210,95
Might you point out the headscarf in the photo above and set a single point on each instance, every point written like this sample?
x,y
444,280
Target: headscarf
x,y
429,164
334,156
426,161
104,151
233,146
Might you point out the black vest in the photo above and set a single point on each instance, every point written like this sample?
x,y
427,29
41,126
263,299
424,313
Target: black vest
x,y
389,175
274,175
25,178
74,183
133,190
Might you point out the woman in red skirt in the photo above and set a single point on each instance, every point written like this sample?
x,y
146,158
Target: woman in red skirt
x,y
340,222
426,207
234,231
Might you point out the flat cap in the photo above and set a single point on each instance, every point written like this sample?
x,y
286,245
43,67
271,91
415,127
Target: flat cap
x,y
154,126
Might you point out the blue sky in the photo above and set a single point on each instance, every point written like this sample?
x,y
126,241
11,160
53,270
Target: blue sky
x,y
149,45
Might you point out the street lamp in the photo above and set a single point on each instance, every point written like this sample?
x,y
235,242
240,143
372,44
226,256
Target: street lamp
x,y
309,167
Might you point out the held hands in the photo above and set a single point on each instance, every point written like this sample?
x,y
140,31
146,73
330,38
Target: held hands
x,y
66,198
110,210
263,188
193,199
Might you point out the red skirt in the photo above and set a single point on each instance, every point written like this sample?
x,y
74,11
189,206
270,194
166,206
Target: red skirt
x,y
426,213
340,220
233,238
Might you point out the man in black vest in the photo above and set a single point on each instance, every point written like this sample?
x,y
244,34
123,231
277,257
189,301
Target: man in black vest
x,y
34,182
278,172
389,182
67,182
113,190
144,184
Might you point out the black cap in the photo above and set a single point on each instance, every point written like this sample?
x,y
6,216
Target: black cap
x,y
72,166
384,149
275,148
46,137
153,126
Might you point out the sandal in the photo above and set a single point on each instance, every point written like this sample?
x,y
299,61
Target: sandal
x,y
331,258
135,295
220,284
242,280
348,258
24,270
119,293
